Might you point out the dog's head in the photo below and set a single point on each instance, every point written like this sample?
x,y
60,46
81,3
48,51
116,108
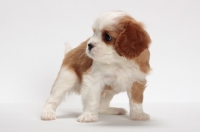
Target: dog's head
x,y
116,35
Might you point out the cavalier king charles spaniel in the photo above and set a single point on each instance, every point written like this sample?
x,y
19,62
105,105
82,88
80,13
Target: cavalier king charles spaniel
x,y
114,59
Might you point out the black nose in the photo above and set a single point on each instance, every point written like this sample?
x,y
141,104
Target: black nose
x,y
90,46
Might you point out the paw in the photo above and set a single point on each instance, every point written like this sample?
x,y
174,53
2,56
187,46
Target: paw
x,y
87,117
140,116
48,115
113,111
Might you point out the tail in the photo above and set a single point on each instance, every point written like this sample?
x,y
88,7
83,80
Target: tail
x,y
67,48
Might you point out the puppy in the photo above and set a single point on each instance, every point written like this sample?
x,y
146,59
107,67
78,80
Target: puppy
x,y
114,59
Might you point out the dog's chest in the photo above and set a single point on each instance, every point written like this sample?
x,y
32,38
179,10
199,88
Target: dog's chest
x,y
120,77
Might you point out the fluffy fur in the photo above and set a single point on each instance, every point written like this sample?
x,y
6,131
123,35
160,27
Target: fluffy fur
x,y
113,60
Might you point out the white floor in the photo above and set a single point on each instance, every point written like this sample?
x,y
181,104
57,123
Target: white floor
x,y
165,117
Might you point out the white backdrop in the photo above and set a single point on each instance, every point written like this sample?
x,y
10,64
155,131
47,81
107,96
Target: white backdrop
x,y
33,32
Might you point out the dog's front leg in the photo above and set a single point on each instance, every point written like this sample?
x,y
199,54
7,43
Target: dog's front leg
x,y
135,99
90,91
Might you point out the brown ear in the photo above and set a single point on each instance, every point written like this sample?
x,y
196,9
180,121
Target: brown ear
x,y
132,41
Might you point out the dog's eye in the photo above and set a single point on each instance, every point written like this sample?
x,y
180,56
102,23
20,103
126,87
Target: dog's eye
x,y
107,37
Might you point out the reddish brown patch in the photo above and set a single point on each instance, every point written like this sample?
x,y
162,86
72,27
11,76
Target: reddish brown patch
x,y
137,91
132,40
77,60
143,61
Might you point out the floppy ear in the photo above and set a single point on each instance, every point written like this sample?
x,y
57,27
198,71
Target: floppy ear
x,y
132,40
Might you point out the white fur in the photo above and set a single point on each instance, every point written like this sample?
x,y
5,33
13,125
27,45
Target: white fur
x,y
119,77
107,18
137,113
108,69
136,110
66,81
104,106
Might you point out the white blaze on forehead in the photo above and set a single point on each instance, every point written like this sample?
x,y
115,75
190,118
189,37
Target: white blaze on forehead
x,y
107,19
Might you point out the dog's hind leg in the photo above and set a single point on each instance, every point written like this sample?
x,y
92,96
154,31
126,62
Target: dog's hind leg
x,y
105,106
65,82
